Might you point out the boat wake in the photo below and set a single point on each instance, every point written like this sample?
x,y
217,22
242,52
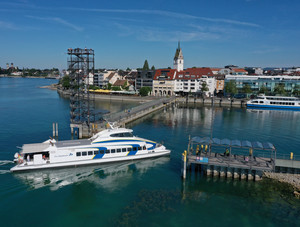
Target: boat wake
x,y
4,171
4,162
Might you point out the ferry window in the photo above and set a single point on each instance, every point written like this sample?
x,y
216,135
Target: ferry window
x,y
134,148
84,153
261,101
113,150
139,148
123,149
129,149
115,135
118,150
144,147
128,134
90,153
107,151
96,152
78,154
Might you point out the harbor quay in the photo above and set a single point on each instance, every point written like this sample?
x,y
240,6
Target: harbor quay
x,y
120,119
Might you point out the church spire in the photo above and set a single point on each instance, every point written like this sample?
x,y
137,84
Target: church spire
x,y
178,58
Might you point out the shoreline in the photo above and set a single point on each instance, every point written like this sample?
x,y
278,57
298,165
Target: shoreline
x,y
287,178
28,77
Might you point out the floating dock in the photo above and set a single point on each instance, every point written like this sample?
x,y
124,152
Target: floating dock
x,y
235,159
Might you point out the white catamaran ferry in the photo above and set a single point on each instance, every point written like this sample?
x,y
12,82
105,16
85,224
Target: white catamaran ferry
x,y
279,102
110,145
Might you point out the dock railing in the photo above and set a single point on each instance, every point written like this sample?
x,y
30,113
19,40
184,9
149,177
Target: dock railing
x,y
126,114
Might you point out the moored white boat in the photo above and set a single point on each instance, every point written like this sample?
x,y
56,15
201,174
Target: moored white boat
x,y
278,102
111,145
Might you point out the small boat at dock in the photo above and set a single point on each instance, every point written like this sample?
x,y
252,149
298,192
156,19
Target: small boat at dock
x,y
110,145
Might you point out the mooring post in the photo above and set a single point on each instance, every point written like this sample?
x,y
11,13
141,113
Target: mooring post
x,y
56,129
53,130
184,164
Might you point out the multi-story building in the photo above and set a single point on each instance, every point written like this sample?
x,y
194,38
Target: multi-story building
x,y
103,78
144,78
192,80
270,82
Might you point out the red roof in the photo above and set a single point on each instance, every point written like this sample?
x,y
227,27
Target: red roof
x,y
166,74
120,82
193,73
187,74
239,70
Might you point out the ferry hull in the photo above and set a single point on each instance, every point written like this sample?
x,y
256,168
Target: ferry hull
x,y
90,162
274,107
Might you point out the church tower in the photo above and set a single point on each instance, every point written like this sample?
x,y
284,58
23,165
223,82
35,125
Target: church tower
x,y
178,59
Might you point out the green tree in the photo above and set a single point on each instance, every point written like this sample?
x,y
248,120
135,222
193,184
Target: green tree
x,y
231,88
109,85
144,91
247,89
263,90
279,89
204,88
125,85
116,88
146,65
153,68
128,69
65,82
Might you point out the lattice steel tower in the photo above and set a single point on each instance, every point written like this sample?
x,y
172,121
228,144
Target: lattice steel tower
x,y
82,102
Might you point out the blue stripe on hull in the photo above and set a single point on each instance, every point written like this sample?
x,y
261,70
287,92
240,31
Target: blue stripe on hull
x,y
274,107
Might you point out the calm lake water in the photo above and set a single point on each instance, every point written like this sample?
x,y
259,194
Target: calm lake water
x,y
142,193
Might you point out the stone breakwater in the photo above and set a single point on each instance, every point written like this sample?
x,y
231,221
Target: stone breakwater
x,y
292,179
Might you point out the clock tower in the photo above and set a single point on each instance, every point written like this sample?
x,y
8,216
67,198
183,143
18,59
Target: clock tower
x,y
178,59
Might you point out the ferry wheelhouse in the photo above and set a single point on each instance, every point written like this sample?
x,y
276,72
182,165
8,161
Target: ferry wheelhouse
x,y
279,102
111,145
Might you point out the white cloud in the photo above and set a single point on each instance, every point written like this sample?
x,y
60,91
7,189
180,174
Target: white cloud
x,y
7,25
59,21
169,14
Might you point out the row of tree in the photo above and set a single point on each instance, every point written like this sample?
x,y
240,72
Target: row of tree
x,y
231,88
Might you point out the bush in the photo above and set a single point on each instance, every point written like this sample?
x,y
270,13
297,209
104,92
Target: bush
x,y
144,91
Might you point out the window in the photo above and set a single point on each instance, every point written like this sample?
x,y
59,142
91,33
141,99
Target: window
x,y
134,149
118,150
139,148
96,152
144,148
123,149
129,149
84,153
113,150
90,153
78,154
107,151
127,134
101,151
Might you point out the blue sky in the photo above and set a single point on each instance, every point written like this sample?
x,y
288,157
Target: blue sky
x,y
213,33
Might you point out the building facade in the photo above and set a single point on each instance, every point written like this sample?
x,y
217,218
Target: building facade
x,y
144,78
270,82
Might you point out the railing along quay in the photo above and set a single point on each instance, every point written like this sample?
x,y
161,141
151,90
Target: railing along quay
x,y
121,118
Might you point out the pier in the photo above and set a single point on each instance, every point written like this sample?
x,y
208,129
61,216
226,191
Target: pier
x,y
122,118
214,101
236,159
